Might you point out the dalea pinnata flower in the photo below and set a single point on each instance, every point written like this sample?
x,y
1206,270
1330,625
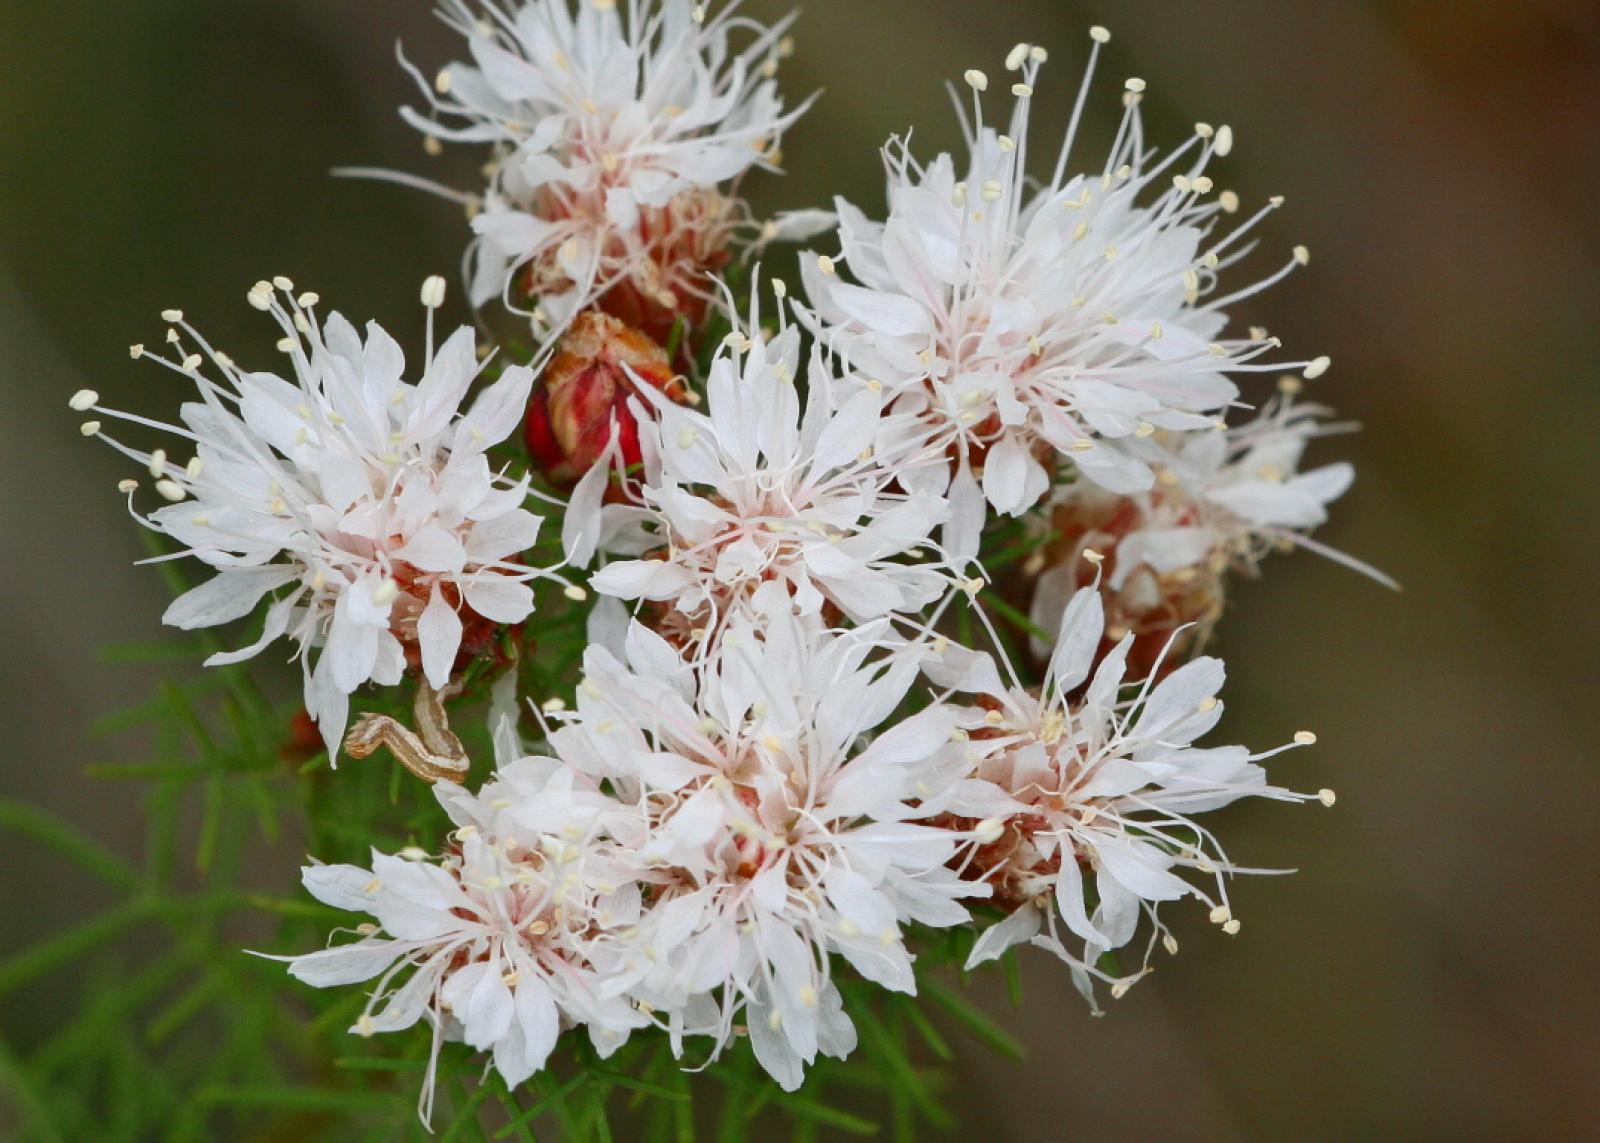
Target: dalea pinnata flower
x,y
1221,502
582,398
360,503
757,489
1109,785
619,132
489,944
1025,323
774,837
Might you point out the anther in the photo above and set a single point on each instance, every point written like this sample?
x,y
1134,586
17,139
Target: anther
x,y
172,315
89,428
1135,85
1099,35
1317,368
127,486
1305,737
1093,556
385,592
575,593
136,351
1302,255
976,80
283,284
158,462
826,265
1017,57
433,291
1327,797
171,490
83,400
1224,142
1231,928
309,299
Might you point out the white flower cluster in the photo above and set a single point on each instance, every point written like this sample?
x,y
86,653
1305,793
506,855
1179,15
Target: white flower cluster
x,y
619,133
777,765
363,503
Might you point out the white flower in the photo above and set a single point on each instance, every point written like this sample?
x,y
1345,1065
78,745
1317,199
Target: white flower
x,y
1025,321
495,937
1222,501
616,130
363,501
1109,787
774,838
756,490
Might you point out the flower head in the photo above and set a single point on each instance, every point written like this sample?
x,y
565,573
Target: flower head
x,y
1107,788
495,937
1027,322
756,490
362,503
1221,502
617,131
774,838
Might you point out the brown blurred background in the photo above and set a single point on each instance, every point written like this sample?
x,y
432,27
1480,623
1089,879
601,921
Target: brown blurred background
x,y
1429,973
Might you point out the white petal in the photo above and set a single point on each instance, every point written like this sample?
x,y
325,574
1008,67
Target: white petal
x,y
226,596
439,634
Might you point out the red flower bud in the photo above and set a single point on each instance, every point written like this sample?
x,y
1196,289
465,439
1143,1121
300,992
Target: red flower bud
x,y
598,365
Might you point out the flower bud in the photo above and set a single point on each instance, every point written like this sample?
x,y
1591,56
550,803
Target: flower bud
x,y
598,365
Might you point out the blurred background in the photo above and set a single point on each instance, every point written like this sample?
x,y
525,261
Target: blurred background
x,y
1430,971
